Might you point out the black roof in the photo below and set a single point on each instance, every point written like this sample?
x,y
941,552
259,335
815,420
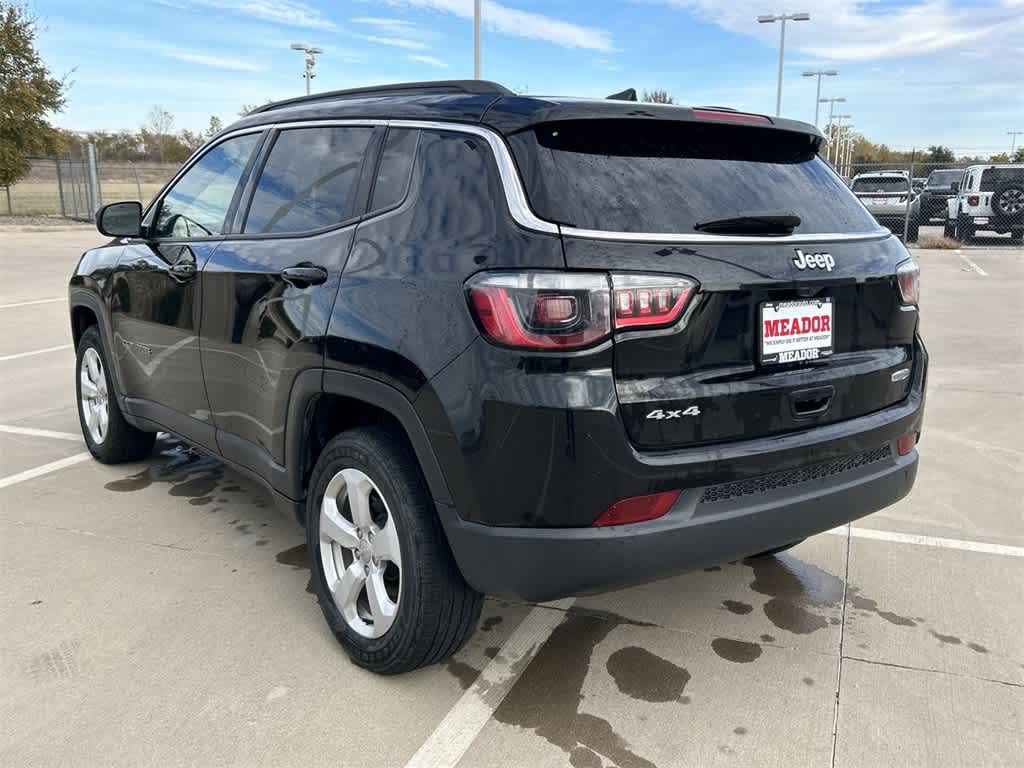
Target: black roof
x,y
478,101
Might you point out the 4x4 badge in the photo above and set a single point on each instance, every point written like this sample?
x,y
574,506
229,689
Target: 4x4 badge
x,y
659,414
814,260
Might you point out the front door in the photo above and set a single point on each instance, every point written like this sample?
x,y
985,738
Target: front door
x,y
157,292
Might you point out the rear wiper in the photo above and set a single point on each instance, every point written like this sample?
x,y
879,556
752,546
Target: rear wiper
x,y
753,223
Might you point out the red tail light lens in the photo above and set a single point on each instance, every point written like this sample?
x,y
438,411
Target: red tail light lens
x,y
908,275
905,443
637,509
973,200
542,310
649,300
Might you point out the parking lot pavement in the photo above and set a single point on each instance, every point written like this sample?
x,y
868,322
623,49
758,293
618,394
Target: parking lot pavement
x,y
157,613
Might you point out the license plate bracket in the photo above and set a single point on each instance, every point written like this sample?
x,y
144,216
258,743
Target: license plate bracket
x,y
795,331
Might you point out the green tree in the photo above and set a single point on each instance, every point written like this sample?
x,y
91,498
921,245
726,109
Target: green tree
x,y
28,93
1018,156
657,96
215,126
939,154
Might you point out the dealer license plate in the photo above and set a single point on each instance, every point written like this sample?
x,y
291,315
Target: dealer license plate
x,y
795,331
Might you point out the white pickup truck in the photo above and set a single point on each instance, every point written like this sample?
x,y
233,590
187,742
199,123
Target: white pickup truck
x,y
990,197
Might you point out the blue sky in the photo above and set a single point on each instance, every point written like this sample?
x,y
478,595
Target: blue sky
x,y
912,71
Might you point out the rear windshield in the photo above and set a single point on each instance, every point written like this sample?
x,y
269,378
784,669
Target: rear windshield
x,y
943,178
993,177
647,176
881,184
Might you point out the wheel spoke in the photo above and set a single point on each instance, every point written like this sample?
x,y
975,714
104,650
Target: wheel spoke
x,y
93,363
103,418
334,527
346,589
384,543
358,489
89,411
88,388
381,607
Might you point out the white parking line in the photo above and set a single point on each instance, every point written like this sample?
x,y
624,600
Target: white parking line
x,y
35,352
931,541
463,723
45,469
29,432
972,265
32,303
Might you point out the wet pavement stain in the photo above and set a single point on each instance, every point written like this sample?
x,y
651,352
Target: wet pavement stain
x,y
581,757
977,647
808,681
200,501
490,623
547,696
787,615
642,675
736,651
948,639
189,472
713,568
871,606
297,558
739,730
767,639
735,606
463,672
790,582
491,651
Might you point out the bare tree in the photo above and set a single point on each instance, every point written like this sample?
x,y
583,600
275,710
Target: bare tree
x,y
159,123
657,96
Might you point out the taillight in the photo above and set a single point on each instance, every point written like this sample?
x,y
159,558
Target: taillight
x,y
649,300
567,310
973,200
637,509
905,443
542,310
908,275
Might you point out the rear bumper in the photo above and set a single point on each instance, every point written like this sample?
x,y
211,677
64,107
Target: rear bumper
x,y
540,564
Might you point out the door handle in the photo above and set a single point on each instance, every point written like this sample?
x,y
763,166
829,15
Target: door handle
x,y
304,277
183,270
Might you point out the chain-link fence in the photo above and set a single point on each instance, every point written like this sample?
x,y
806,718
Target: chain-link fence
x,y
64,186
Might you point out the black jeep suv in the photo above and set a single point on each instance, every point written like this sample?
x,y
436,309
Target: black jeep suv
x,y
937,191
522,346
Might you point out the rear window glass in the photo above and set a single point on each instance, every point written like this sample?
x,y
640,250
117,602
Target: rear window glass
x,y
943,178
309,180
647,176
881,184
993,177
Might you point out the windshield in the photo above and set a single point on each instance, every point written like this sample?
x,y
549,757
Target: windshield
x,y
993,177
943,178
881,184
662,176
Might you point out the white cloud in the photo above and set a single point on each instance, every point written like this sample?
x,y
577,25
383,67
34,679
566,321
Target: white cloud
x,y
433,61
220,62
385,23
397,42
293,13
864,30
511,21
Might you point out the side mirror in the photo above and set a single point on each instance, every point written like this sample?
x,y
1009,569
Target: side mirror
x,y
954,187
120,219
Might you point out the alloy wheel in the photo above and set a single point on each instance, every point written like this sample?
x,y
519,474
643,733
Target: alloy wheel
x,y
359,552
94,397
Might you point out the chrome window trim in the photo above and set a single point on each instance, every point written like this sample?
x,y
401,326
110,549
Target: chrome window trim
x,y
515,194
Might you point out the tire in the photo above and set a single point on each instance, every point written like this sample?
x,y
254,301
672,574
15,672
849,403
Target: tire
x,y
964,230
1017,235
423,609
912,231
110,439
775,551
1008,204
949,229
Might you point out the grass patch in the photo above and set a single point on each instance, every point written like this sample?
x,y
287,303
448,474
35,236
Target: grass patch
x,y
941,243
41,198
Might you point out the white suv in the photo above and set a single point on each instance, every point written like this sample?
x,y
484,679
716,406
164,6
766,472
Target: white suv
x,y
887,195
990,197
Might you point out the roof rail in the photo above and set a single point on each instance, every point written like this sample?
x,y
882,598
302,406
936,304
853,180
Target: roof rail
x,y
394,89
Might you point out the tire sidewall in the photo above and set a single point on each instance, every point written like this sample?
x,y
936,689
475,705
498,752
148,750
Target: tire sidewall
x,y
91,340
998,213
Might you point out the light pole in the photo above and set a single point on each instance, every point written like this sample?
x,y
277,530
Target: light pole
x,y
783,17
828,128
837,131
847,156
1013,143
311,52
817,97
476,39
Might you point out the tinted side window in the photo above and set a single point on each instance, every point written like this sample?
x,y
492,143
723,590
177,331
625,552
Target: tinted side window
x,y
198,202
395,169
309,181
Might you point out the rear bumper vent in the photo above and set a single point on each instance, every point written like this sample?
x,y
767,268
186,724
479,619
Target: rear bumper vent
x,y
765,483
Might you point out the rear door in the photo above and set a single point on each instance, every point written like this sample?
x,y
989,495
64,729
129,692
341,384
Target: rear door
x,y
157,293
268,290
630,195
